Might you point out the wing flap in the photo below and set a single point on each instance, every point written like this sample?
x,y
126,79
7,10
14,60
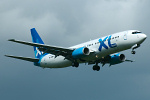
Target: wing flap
x,y
23,58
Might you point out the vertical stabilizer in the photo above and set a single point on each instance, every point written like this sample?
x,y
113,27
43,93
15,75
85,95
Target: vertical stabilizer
x,y
36,39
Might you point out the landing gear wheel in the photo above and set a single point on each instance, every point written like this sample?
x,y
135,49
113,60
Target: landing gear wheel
x,y
75,64
96,67
133,52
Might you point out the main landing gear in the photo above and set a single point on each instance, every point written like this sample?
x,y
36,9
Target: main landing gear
x,y
96,67
75,64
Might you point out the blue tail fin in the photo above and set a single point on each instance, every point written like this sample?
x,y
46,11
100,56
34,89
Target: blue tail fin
x,y
36,39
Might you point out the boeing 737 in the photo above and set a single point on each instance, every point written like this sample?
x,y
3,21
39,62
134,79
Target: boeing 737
x,y
102,50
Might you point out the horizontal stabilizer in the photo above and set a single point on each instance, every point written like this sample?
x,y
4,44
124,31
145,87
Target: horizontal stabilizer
x,y
24,58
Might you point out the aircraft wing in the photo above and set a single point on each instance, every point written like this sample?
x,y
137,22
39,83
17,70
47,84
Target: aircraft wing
x,y
129,60
24,58
47,48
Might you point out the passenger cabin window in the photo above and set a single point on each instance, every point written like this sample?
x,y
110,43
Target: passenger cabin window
x,y
136,32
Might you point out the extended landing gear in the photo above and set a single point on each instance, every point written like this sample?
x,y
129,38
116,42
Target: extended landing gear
x,y
75,64
133,52
134,47
96,67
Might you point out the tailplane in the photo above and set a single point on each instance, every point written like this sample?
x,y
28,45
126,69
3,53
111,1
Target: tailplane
x,y
24,58
36,39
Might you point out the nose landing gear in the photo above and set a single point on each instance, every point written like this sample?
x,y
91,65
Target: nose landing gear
x,y
134,47
133,52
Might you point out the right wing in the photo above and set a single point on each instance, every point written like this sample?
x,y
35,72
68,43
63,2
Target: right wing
x,y
129,60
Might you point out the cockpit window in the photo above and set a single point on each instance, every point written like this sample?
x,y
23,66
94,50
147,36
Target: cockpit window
x,y
136,32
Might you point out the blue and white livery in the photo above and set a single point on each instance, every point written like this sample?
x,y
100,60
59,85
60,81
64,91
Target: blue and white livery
x,y
102,50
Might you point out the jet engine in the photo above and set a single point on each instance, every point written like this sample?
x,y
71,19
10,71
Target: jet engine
x,y
117,58
80,52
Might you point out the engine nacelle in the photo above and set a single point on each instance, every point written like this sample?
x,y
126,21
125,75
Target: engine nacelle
x,y
117,58
80,52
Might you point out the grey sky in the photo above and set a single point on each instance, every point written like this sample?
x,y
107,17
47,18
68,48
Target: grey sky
x,y
65,23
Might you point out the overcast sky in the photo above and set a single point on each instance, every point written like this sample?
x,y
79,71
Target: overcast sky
x,y
66,23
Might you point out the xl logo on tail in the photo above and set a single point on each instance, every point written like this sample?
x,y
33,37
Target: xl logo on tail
x,y
38,53
102,43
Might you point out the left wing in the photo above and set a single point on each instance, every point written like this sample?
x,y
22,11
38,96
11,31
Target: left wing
x,y
47,48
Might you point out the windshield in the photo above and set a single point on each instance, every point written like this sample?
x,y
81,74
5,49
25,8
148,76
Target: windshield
x,y
136,32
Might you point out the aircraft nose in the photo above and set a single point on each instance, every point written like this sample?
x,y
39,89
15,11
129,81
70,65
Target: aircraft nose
x,y
144,36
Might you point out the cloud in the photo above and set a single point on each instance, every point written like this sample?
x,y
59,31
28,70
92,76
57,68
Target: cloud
x,y
66,23
70,18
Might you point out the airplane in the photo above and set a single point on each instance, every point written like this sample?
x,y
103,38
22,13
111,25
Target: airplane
x,y
102,50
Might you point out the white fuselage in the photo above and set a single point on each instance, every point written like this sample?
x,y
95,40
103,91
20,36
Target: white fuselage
x,y
124,40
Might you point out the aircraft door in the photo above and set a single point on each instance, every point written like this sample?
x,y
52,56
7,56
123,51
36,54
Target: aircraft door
x,y
125,36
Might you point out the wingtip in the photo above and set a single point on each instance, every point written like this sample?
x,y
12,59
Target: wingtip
x,y
11,39
6,55
130,60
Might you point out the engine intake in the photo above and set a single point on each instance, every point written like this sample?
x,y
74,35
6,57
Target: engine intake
x,y
80,52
